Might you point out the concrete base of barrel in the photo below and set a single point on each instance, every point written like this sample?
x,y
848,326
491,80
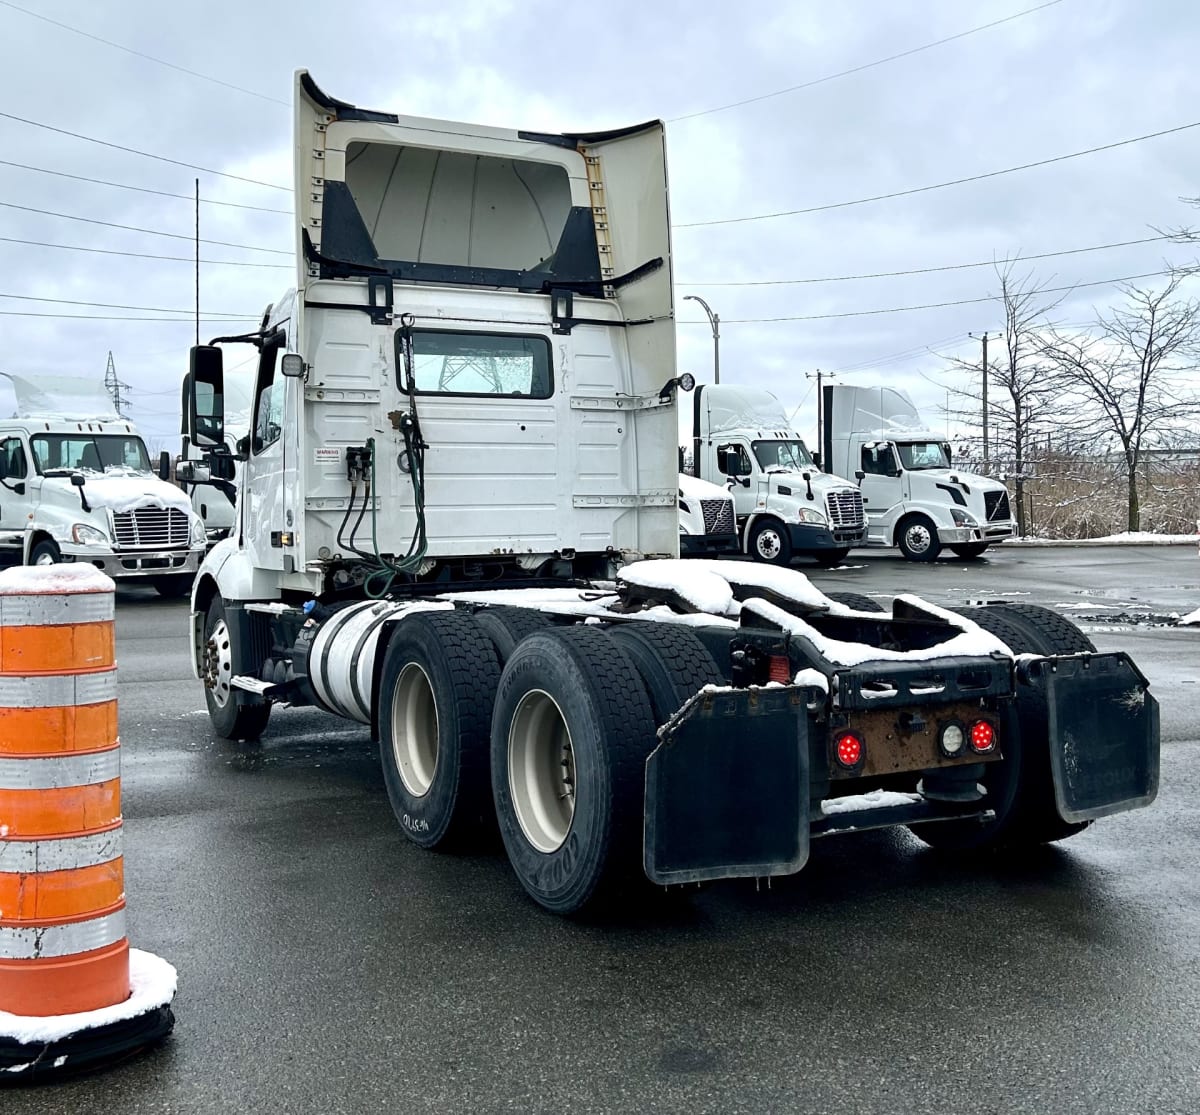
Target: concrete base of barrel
x,y
42,1048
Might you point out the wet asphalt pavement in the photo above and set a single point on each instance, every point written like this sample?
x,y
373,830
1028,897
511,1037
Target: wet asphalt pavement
x,y
326,965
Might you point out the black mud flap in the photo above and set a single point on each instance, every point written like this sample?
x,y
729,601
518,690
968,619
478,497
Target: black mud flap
x,y
1103,733
727,789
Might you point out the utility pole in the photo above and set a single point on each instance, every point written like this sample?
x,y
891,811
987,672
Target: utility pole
x,y
986,453
115,386
715,322
819,375
197,261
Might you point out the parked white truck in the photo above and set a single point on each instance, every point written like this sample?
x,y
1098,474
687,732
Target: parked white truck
x,y
707,525
914,498
786,506
76,485
458,525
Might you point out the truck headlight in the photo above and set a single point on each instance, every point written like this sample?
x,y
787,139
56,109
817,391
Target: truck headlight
x,y
962,518
199,534
811,515
87,535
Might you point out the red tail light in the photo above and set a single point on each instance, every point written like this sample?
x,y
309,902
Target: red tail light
x,y
982,737
781,669
849,750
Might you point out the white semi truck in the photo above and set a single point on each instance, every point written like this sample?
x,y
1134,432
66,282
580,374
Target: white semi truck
x,y
458,526
914,496
707,523
786,506
77,485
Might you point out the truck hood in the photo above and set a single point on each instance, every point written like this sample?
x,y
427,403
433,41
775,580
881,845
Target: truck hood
x,y
120,490
822,482
969,479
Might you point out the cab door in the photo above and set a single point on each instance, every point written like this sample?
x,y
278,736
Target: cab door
x,y
14,494
882,484
265,520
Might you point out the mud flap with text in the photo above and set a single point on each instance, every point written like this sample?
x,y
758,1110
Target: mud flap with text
x,y
727,789
1104,736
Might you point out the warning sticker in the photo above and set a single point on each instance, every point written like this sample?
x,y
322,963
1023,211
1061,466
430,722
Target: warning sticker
x,y
326,455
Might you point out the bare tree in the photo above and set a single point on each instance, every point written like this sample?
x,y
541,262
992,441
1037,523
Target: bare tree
x,y
1018,385
1132,370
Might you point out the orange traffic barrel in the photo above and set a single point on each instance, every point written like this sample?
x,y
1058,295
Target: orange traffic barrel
x,y
64,954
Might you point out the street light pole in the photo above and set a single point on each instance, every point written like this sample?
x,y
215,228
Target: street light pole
x,y
715,322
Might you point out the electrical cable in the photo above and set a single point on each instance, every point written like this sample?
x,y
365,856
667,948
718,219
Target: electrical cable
x,y
142,54
856,69
115,317
141,189
939,185
212,315
144,154
148,231
142,255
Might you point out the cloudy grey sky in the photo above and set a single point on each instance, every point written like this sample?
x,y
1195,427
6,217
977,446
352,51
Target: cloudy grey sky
x,y
1073,75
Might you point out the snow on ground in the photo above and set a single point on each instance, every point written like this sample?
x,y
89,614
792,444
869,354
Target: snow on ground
x,y
1125,538
1190,618
152,981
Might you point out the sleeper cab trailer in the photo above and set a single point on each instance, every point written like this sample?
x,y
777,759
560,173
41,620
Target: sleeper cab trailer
x,y
457,524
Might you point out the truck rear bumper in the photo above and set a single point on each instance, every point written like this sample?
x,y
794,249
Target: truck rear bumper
x,y
131,564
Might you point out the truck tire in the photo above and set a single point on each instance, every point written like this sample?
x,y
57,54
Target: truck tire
x,y
970,550
769,542
1020,786
45,552
506,626
917,538
672,662
174,586
435,705
570,734
857,601
230,719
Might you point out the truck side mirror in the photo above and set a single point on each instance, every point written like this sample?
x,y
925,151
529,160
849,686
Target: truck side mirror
x,y
164,465
816,459
205,392
3,466
221,466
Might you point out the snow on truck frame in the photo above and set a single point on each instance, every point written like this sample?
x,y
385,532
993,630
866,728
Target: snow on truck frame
x,y
458,525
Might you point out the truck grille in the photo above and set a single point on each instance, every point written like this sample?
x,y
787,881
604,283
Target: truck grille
x,y
151,527
845,508
995,505
718,516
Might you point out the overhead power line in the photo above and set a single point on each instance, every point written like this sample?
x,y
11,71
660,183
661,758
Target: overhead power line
x,y
212,314
924,306
142,189
144,154
148,231
940,185
190,320
142,54
1017,258
142,255
864,66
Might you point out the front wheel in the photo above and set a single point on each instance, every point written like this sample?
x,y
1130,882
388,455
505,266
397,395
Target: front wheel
x,y
46,552
230,719
917,538
769,542
970,550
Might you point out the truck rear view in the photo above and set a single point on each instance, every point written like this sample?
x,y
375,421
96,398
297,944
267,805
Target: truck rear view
x,y
463,444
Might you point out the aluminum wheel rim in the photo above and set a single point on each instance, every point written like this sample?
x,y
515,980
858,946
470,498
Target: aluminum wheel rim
x,y
45,558
541,771
769,544
918,538
415,730
218,674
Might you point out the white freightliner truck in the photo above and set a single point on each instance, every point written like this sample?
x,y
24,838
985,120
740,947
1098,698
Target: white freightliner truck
x,y
914,498
76,485
458,526
786,506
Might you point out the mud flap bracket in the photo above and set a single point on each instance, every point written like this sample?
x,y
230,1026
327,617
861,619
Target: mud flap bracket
x,y
727,788
1104,733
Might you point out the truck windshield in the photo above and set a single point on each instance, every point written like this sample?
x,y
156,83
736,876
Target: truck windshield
x,y
84,452
790,456
923,454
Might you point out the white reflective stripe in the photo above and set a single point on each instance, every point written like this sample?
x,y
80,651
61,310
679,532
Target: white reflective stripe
x,y
25,856
53,610
60,771
33,942
58,690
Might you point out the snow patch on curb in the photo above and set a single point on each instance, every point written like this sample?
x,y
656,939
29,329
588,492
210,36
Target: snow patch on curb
x,y
26,580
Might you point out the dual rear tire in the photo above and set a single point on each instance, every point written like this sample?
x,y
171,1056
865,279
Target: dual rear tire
x,y
553,745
